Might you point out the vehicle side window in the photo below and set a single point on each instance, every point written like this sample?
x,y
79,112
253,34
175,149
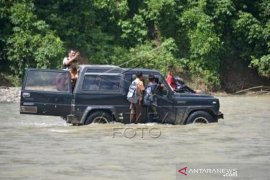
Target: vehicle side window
x,y
47,81
101,83
90,83
110,83
159,80
161,88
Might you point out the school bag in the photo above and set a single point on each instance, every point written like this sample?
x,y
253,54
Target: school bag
x,y
132,95
148,97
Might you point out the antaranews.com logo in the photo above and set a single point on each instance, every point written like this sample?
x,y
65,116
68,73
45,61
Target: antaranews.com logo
x,y
209,171
226,172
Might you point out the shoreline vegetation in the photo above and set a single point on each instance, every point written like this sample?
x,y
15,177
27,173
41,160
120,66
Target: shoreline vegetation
x,y
12,94
213,44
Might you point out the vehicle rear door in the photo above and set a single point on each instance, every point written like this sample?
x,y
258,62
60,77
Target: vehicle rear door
x,y
46,92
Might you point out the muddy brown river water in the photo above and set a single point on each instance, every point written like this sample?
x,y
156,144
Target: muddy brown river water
x,y
39,147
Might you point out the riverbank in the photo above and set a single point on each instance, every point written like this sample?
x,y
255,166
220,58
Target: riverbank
x,y
10,94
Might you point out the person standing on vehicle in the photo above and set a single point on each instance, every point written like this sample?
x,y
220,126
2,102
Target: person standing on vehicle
x,y
73,74
136,102
72,58
170,78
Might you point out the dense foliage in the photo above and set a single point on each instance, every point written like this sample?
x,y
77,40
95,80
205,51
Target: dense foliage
x,y
197,36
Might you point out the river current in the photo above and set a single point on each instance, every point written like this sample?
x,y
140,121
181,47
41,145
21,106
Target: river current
x,y
42,147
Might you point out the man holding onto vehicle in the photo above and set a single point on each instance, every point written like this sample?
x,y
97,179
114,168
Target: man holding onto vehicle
x,y
136,106
150,98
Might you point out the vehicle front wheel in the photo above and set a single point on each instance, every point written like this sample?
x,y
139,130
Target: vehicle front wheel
x,y
200,117
98,117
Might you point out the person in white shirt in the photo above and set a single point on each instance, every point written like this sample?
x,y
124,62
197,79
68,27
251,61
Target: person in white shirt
x,y
72,56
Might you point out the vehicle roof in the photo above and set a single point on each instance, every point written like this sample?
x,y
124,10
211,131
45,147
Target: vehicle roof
x,y
97,66
113,68
140,70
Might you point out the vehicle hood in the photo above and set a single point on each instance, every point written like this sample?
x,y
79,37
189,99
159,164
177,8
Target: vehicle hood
x,y
192,95
195,99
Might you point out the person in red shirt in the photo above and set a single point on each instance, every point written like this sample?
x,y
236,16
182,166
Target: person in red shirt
x,y
170,78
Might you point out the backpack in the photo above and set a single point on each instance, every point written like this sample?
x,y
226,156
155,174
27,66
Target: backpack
x,y
148,97
132,95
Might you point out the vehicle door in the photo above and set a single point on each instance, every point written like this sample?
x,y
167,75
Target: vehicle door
x,y
164,102
46,92
101,90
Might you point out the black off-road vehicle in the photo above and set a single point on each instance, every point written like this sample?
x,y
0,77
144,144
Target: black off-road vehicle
x,y
100,96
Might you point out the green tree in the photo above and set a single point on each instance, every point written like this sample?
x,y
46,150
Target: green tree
x,y
148,55
251,29
200,37
205,44
32,42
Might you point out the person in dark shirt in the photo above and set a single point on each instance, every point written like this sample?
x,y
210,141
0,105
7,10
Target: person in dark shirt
x,y
150,98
